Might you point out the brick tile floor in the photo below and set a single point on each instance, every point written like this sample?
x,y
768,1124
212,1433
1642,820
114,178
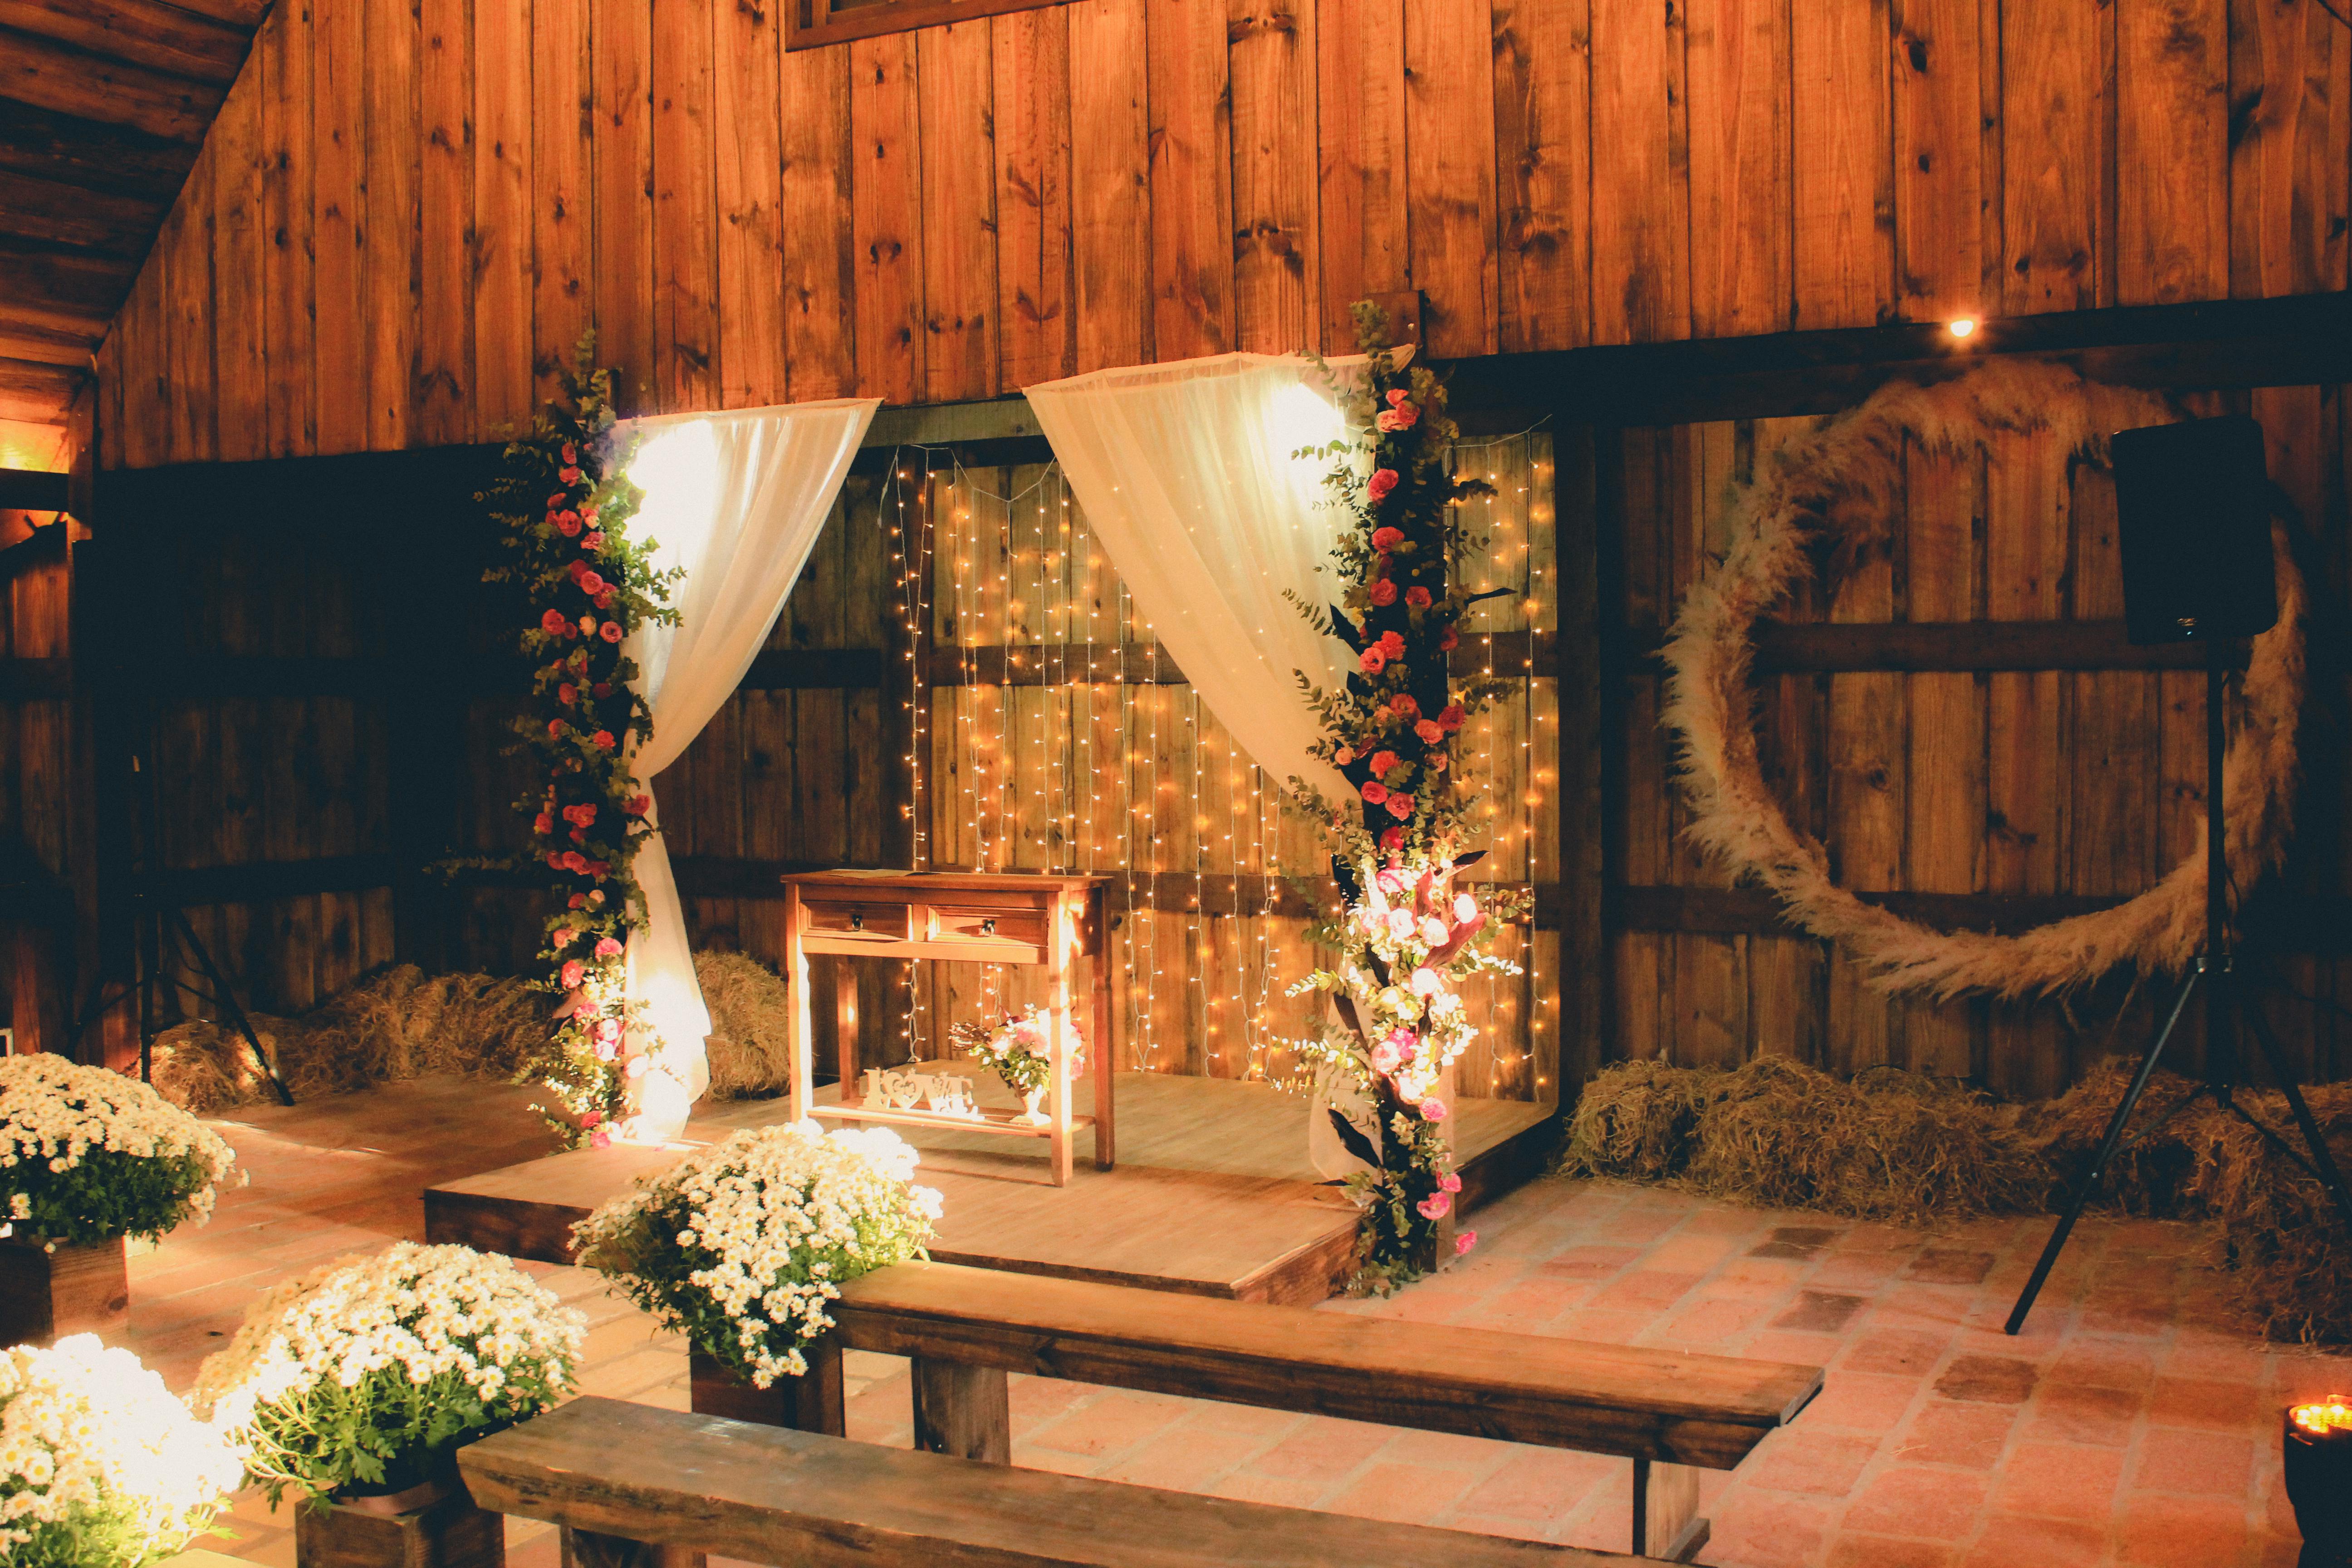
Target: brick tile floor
x,y
2134,1424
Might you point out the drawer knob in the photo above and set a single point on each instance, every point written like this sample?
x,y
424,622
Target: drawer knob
x,y
988,927
858,919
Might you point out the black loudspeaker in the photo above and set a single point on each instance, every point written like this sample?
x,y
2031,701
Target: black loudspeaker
x,y
2193,520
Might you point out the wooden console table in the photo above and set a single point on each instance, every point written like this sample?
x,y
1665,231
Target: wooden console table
x,y
963,917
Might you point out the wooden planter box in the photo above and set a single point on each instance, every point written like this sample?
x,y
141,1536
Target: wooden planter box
x,y
449,1533
45,1295
807,1404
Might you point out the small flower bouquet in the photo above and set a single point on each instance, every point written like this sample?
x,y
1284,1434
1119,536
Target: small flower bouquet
x,y
1020,1051
100,1466
741,1246
363,1378
88,1156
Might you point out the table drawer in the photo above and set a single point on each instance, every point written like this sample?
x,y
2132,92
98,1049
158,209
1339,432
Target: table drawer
x,y
880,921
987,926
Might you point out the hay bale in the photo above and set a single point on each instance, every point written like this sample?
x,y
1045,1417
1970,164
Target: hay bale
x,y
1634,1119
750,1017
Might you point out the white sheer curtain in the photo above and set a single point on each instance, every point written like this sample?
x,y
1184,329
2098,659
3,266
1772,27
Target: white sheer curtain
x,y
1185,473
737,499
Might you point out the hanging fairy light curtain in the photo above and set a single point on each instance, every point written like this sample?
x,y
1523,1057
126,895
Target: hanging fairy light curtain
x,y
738,499
1186,474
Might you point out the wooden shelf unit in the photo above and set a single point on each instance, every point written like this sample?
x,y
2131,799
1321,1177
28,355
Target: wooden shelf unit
x,y
966,917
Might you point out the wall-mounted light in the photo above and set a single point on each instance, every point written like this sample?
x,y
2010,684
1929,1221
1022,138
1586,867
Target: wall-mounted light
x,y
1961,326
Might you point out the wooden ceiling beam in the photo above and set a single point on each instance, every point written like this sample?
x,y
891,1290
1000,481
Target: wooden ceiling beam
x,y
42,345
90,87
91,156
59,214
141,32
245,14
43,394
67,281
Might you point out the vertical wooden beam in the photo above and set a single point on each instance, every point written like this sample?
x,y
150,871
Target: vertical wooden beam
x,y
1844,256
886,217
1111,184
747,118
2051,106
562,238
389,223
955,111
1641,173
1361,159
2172,129
1938,173
1543,173
1036,292
185,246
1449,113
445,385
820,260
287,286
621,151
1271,56
1581,798
1191,255
687,370
2290,144
1741,194
502,210
962,1410
239,314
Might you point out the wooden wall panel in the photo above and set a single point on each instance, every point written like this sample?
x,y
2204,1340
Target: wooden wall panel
x,y
450,193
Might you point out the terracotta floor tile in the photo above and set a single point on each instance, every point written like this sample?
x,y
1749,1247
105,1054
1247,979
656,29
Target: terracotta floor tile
x,y
1544,1483
1768,1529
2080,1413
2012,1542
1859,1401
1967,1436
1987,1380
2200,1402
1912,1501
2196,1463
1109,1423
1402,1493
1797,1460
1852,1551
1912,1353
1322,1448
1820,1311
2059,1480
2182,1532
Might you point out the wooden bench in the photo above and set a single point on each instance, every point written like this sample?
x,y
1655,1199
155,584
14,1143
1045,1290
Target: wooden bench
x,y
637,1487
964,1329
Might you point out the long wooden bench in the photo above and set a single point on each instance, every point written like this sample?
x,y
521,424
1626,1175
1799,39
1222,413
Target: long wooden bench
x,y
637,1487
964,1329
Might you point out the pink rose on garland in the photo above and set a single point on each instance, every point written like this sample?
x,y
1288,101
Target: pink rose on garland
x,y
1405,705
603,738
592,541
612,632
573,973
1382,762
554,624
1372,659
1434,1205
608,948
603,688
1375,792
1446,641
1385,1058
639,804
1435,761
1344,755
1393,645
1386,539
1417,598
1451,718
590,583
1400,415
1465,1242
571,452
605,600
1432,1111
1429,732
1384,593
1400,804
567,694
1377,488
1393,840
555,729
1449,1183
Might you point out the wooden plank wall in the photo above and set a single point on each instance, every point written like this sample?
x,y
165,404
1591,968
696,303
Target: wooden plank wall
x,y
405,214
2030,783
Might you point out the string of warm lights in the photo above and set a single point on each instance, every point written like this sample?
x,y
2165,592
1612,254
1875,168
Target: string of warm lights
x,y
1027,772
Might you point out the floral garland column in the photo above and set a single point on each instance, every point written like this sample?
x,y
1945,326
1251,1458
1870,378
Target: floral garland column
x,y
1410,935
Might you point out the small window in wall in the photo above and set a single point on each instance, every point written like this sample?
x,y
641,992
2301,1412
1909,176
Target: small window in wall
x,y
813,22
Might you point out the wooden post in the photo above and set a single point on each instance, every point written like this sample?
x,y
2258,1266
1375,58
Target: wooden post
x,y
965,1411
1665,1511
586,1549
796,975
1100,1017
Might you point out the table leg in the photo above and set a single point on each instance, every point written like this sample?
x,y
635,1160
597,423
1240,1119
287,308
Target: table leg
x,y
965,1411
799,1033
846,1027
1057,998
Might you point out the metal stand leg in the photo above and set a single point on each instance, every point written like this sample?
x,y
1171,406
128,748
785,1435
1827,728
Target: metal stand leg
x,y
2322,1163
2107,1147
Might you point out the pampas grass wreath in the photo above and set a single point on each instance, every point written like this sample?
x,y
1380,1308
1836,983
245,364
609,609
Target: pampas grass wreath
x,y
1900,1148
1838,486
400,1023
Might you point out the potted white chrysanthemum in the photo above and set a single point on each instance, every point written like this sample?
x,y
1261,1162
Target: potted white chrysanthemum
x,y
89,1157
100,1466
741,1246
357,1384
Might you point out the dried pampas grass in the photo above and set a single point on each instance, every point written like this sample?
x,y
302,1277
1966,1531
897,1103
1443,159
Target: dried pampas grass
x,y
1914,1151
1838,487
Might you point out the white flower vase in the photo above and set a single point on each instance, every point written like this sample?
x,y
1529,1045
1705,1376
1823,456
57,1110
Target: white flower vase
x,y
1030,1100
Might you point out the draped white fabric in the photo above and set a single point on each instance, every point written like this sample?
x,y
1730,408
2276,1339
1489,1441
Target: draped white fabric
x,y
738,499
1186,476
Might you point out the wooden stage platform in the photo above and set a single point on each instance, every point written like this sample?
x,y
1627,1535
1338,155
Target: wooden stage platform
x,y
1213,1194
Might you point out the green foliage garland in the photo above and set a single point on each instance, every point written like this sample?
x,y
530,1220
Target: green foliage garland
x,y
564,503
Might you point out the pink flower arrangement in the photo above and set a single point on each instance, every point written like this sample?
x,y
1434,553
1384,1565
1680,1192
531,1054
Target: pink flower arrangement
x,y
1382,594
1385,540
1417,598
1374,659
1375,792
1378,487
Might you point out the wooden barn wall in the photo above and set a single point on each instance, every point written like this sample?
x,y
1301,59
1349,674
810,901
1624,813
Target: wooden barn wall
x,y
2047,783
408,211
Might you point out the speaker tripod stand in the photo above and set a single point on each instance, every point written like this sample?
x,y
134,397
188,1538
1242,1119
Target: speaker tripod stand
x,y
2229,1000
